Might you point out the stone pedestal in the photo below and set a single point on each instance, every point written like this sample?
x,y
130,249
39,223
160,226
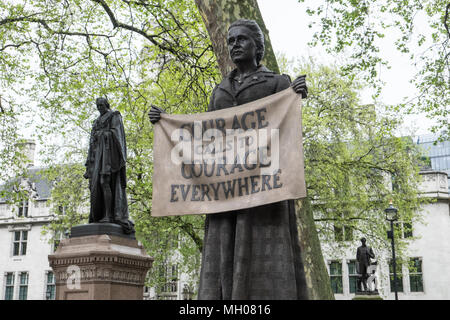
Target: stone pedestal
x,y
367,297
100,266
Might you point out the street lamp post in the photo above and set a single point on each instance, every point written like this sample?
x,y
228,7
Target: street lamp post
x,y
391,216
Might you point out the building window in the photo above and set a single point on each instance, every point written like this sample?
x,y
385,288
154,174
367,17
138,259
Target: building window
x,y
407,230
343,233
399,276
169,275
348,233
352,276
51,287
4,208
9,286
174,273
415,275
23,286
23,209
20,243
336,276
61,210
338,233
404,229
395,184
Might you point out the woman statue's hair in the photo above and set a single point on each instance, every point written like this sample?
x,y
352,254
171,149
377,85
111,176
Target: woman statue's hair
x,y
256,33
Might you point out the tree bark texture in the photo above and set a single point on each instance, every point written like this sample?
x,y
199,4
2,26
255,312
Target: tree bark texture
x,y
217,16
317,278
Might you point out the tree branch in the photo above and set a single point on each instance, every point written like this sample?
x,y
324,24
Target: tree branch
x,y
189,229
14,45
117,24
44,23
447,9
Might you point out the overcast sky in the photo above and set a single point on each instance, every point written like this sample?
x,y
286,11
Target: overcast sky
x,y
287,23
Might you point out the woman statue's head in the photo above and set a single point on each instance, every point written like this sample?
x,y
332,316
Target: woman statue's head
x,y
255,33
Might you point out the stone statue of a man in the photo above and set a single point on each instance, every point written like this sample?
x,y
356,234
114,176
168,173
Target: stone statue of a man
x,y
106,169
363,255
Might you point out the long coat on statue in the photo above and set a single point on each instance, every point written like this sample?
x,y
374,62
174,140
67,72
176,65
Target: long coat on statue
x,y
251,253
107,156
363,255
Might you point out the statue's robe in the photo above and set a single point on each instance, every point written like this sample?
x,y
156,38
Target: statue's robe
x,y
107,156
251,253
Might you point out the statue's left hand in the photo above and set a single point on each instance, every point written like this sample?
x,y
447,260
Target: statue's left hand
x,y
155,114
299,86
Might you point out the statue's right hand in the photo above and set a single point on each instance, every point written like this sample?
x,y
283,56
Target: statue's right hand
x,y
155,114
86,175
300,87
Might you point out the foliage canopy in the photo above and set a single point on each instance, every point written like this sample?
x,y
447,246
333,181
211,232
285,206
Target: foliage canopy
x,y
58,56
422,31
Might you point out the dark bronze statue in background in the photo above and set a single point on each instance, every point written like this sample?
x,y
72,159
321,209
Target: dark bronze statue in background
x,y
106,169
363,255
250,253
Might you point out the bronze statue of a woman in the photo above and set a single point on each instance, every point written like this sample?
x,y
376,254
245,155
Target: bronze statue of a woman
x,y
250,253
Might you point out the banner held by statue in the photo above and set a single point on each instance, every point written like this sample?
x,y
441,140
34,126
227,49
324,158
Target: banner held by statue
x,y
229,159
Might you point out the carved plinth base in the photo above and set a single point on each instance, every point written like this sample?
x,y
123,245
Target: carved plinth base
x,y
367,296
100,267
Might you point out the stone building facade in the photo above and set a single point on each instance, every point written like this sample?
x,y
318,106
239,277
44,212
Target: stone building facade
x,y
24,268
426,272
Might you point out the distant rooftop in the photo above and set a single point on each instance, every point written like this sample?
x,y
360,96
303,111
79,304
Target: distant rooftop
x,y
41,186
439,153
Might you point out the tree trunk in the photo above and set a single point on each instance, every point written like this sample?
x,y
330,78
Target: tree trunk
x,y
218,15
317,279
